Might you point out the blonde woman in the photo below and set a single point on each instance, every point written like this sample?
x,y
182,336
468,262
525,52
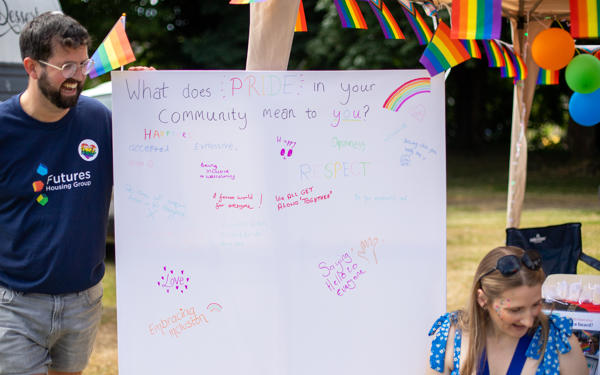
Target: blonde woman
x,y
503,331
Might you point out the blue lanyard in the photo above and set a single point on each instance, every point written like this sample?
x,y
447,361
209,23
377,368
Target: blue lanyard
x,y
517,362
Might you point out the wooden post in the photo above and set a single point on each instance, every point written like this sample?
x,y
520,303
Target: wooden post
x,y
271,34
522,99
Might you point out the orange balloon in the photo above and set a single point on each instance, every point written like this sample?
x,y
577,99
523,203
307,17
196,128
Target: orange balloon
x,y
553,49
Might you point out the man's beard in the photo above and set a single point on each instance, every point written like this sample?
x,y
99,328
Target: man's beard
x,y
54,96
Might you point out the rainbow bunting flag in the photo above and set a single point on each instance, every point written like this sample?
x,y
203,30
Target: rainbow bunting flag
x,y
388,23
377,3
472,47
585,18
443,52
113,52
407,4
547,77
508,70
514,66
476,19
430,9
493,53
418,24
350,14
241,2
301,20
591,49
520,66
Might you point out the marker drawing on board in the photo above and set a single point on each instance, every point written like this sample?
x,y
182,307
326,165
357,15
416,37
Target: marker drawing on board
x,y
178,323
304,196
287,147
342,275
240,201
173,282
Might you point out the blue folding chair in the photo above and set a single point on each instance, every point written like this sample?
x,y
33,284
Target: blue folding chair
x,y
559,245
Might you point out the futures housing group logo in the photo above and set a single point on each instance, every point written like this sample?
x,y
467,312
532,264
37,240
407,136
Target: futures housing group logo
x,y
45,182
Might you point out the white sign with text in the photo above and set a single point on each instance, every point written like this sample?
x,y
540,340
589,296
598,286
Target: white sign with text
x,y
278,223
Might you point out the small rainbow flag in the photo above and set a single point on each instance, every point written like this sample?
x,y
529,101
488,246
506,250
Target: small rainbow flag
x,y
520,66
508,70
377,3
585,18
430,9
476,19
493,53
407,91
591,49
388,23
301,20
407,4
547,77
514,66
418,24
443,52
114,51
472,47
241,2
350,14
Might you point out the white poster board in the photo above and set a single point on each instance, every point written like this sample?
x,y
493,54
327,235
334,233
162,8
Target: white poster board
x,y
278,223
14,15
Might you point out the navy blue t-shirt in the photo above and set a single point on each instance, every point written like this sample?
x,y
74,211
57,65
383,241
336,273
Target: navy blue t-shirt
x,y
55,187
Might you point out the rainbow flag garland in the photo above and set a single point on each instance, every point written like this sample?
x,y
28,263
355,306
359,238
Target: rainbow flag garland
x,y
113,52
443,52
350,14
585,18
388,24
472,47
547,77
493,53
418,24
476,19
301,20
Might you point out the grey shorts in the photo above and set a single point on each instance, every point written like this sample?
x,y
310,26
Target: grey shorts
x,y
42,331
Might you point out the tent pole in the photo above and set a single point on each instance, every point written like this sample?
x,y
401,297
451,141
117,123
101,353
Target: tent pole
x,y
522,33
271,34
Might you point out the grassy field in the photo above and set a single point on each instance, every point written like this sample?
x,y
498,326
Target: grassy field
x,y
559,191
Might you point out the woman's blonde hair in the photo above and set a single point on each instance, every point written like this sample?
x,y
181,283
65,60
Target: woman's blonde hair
x,y
475,320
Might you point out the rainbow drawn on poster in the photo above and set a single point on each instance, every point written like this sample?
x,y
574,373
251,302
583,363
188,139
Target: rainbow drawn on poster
x,y
406,91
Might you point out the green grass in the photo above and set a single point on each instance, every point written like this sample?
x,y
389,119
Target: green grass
x,y
109,300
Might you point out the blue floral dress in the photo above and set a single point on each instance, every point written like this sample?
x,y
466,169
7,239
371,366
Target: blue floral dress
x,y
560,330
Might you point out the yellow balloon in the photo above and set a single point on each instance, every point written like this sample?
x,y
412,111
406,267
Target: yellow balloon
x,y
553,49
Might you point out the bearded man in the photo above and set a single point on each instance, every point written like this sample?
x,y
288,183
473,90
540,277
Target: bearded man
x,y
55,188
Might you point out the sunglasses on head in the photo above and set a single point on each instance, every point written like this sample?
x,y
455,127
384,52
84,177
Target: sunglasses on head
x,y
511,264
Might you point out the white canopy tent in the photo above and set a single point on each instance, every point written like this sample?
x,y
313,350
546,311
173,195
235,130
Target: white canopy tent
x,y
272,31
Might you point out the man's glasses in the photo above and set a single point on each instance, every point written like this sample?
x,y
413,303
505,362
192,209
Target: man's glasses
x,y
69,69
511,264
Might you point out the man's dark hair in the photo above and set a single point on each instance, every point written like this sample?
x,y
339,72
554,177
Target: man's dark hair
x,y
38,35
